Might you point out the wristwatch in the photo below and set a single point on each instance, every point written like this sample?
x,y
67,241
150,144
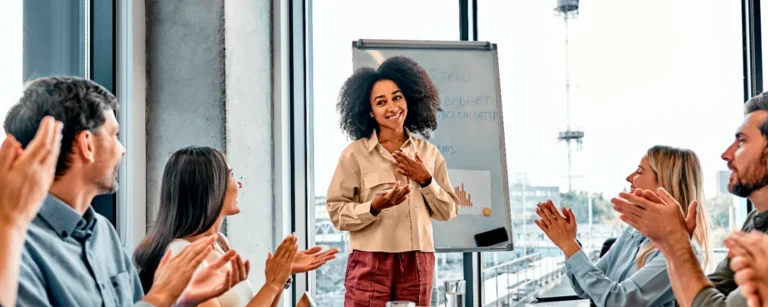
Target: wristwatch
x,y
288,283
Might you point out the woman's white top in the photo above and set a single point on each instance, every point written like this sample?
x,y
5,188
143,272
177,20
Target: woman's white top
x,y
237,296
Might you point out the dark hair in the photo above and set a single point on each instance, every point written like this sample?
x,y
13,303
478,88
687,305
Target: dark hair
x,y
191,198
420,94
758,103
78,103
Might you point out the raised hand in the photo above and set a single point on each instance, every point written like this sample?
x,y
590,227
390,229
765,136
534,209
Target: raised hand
x,y
465,199
240,269
311,259
412,168
27,174
749,257
656,215
174,273
560,229
394,197
279,266
693,207
211,281
25,177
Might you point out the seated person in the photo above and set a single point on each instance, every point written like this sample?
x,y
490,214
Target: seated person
x,y
654,214
198,191
72,255
633,272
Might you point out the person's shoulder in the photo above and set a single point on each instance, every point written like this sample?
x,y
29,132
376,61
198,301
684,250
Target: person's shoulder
x,y
623,235
423,144
38,229
224,241
356,147
426,149
41,238
103,228
354,153
177,245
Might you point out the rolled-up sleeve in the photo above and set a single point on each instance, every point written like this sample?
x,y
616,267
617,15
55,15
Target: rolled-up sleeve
x,y
722,278
648,285
345,213
442,201
709,297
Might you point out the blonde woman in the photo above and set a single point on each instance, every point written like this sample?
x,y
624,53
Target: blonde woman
x,y
633,272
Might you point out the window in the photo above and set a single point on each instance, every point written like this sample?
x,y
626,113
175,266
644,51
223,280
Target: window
x,y
676,80
11,32
335,25
60,38
55,38
44,38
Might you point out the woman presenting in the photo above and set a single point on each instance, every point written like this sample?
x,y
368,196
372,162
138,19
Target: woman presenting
x,y
389,185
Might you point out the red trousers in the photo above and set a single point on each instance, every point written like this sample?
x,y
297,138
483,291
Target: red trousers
x,y
373,279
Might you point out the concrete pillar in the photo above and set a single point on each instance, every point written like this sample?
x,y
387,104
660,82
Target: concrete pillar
x,y
249,130
209,84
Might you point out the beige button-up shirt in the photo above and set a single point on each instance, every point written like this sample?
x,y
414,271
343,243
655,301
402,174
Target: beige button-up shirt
x,y
366,168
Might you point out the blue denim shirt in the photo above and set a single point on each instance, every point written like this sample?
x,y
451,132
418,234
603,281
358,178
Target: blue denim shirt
x,y
615,279
74,260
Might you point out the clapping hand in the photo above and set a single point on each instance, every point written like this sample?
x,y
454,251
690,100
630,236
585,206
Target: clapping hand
x,y
280,265
393,197
749,260
561,229
412,168
211,281
658,215
27,174
311,259
174,273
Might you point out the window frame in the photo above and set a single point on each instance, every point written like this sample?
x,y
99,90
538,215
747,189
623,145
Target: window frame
x,y
100,68
752,54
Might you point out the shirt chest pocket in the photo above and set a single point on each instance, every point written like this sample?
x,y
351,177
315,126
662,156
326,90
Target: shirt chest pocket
x,y
122,288
377,181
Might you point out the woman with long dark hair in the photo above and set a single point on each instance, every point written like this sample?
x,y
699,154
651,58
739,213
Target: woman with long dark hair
x,y
198,191
389,185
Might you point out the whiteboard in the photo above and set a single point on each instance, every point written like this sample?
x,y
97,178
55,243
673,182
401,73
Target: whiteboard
x,y
470,131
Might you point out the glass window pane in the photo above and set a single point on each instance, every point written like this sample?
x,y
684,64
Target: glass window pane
x,y
55,40
632,84
764,40
335,25
45,38
11,33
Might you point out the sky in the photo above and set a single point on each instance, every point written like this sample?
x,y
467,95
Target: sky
x,y
11,78
664,72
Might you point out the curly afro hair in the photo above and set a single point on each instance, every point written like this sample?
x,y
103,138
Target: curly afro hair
x,y
420,94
